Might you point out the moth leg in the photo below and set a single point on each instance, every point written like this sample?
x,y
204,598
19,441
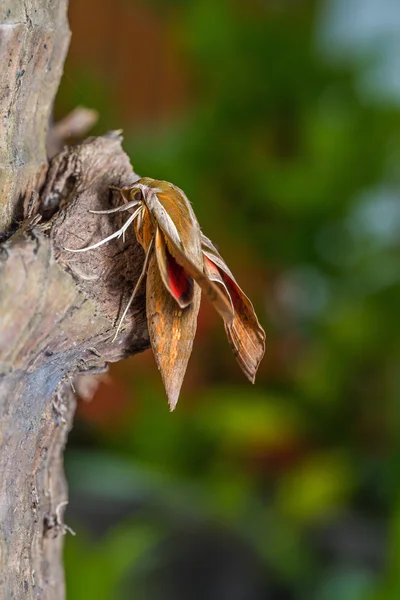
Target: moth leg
x,y
116,234
122,191
117,209
139,281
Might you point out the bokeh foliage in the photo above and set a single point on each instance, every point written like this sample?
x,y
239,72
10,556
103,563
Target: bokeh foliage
x,y
288,489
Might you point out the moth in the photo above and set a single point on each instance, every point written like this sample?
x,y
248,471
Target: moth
x,y
181,263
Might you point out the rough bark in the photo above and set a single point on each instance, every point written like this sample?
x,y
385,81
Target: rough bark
x,y
57,309
34,38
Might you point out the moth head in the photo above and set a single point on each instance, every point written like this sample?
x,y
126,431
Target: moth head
x,y
144,189
136,193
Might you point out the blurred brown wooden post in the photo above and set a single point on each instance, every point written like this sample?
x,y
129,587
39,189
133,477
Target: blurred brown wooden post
x,y
57,309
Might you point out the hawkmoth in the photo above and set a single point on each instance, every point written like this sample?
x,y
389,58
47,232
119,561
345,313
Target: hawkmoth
x,y
181,263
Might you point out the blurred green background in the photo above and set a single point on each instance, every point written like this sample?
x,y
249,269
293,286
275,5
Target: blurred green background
x,y
281,121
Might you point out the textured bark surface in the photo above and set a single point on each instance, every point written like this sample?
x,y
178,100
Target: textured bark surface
x,y
34,38
58,312
57,309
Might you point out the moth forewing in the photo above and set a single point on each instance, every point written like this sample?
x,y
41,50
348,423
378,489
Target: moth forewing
x,y
181,213
212,272
245,335
144,228
244,332
163,219
172,331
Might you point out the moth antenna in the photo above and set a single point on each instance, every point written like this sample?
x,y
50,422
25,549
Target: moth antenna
x,y
139,281
117,209
116,234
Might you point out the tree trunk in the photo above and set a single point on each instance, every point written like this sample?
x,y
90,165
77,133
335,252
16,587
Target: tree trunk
x,y
57,309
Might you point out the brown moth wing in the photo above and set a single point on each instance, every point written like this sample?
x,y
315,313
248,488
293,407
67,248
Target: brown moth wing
x,y
212,272
144,228
182,224
244,333
182,237
172,330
